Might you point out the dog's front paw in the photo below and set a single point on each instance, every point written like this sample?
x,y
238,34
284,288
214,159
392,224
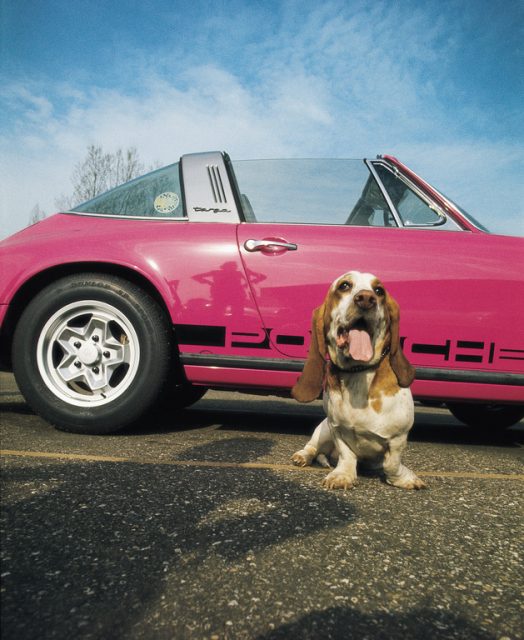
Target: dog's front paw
x,y
301,458
413,482
338,480
416,483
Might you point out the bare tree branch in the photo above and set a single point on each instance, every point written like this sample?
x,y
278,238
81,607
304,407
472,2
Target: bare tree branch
x,y
102,171
36,214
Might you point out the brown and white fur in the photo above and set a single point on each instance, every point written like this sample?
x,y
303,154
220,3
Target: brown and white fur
x,y
367,401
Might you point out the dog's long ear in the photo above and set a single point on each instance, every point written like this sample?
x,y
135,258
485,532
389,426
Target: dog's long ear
x,y
309,385
399,363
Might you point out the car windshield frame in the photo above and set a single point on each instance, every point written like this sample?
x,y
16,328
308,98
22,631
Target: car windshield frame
x,y
468,216
442,220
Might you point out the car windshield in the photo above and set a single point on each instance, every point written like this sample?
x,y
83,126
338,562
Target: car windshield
x,y
155,195
465,213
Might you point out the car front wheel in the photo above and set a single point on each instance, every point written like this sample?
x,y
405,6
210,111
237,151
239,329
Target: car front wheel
x,y
487,416
91,353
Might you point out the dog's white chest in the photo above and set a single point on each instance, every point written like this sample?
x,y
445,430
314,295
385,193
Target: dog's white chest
x,y
367,427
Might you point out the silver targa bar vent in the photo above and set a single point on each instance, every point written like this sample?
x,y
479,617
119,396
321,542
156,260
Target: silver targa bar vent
x,y
217,186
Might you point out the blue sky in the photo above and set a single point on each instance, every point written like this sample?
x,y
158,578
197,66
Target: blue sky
x,y
439,84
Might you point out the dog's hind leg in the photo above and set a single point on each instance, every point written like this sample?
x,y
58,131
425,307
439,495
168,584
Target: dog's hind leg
x,y
320,446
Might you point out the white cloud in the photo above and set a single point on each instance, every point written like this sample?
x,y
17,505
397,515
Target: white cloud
x,y
216,112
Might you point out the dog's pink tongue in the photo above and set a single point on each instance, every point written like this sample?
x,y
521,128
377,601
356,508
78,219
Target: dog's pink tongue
x,y
360,345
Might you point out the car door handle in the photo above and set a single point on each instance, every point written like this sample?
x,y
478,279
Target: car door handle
x,y
270,245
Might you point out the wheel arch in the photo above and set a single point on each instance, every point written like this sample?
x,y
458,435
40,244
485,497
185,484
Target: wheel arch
x,y
42,279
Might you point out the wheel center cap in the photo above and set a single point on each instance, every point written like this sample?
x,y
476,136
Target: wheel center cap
x,y
88,354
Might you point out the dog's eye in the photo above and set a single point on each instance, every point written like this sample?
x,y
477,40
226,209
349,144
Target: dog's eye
x,y
379,291
344,286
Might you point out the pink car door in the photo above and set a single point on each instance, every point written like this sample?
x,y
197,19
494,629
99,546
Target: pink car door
x,y
457,296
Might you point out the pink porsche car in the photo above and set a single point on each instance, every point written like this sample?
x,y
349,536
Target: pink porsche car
x,y
205,273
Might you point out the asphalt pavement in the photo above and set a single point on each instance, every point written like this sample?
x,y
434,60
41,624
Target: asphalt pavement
x,y
195,525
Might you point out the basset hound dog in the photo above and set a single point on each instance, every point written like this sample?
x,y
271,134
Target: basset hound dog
x,y
366,380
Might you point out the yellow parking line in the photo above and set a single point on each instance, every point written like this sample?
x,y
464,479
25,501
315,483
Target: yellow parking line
x,y
238,465
176,463
471,474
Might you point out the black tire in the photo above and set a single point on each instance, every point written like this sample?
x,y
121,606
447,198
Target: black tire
x,y
91,353
176,397
487,416
184,395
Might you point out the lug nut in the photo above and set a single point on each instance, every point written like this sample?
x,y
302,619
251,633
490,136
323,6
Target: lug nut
x,y
95,370
78,364
78,345
106,354
96,338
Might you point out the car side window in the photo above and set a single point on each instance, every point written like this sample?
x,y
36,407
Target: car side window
x,y
412,209
311,191
156,195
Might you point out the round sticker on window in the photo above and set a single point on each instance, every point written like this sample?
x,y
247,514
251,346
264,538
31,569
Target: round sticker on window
x,y
166,202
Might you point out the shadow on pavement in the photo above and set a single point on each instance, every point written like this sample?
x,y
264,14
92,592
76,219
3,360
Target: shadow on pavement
x,y
447,430
259,418
87,548
340,623
267,416
252,414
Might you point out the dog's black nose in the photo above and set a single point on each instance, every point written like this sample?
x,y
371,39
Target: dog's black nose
x,y
366,300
